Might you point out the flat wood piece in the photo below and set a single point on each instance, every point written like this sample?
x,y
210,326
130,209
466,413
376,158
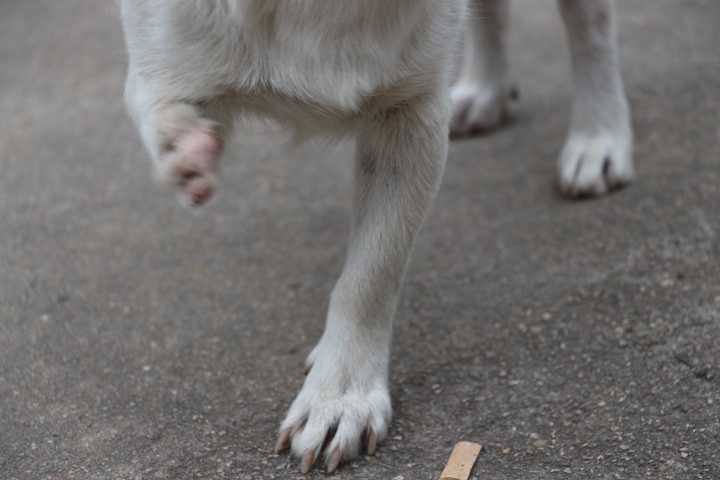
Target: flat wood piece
x,y
461,461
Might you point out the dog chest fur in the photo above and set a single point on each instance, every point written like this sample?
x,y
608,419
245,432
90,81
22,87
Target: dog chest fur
x,y
332,55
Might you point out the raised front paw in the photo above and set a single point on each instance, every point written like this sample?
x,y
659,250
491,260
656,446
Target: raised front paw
x,y
186,153
343,407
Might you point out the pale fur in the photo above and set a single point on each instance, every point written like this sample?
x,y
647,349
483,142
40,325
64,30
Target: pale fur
x,y
375,70
597,156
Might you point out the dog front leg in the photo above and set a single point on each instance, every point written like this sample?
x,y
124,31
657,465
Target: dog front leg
x,y
400,158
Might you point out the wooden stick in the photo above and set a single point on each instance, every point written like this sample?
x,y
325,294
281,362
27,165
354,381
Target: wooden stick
x,y
461,461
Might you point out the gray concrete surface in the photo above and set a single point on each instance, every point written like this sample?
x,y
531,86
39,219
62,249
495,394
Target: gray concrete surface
x,y
575,340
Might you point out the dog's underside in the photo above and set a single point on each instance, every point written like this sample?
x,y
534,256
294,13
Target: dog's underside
x,y
380,72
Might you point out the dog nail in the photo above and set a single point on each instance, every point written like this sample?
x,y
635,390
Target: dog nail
x,y
307,462
334,460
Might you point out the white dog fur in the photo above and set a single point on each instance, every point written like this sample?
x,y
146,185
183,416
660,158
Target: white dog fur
x,y
380,71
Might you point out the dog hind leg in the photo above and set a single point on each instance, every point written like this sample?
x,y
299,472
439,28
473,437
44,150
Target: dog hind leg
x,y
482,93
597,156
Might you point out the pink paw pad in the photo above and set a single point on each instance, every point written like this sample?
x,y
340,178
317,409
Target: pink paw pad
x,y
196,154
201,146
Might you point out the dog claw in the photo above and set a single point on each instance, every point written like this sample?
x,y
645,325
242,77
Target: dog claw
x,y
372,443
307,462
283,441
334,460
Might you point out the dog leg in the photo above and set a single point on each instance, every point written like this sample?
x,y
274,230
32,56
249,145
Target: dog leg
x,y
482,93
400,158
597,156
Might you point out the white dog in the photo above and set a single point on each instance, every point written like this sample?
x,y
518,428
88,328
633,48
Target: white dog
x,y
380,71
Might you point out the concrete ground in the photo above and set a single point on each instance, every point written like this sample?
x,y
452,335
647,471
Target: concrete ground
x,y
574,340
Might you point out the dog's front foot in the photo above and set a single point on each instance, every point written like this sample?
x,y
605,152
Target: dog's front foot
x,y
594,163
343,407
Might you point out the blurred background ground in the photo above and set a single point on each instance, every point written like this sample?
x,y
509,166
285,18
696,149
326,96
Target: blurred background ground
x,y
573,339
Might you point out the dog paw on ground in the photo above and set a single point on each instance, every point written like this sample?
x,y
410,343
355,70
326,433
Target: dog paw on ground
x,y
342,409
594,164
477,108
